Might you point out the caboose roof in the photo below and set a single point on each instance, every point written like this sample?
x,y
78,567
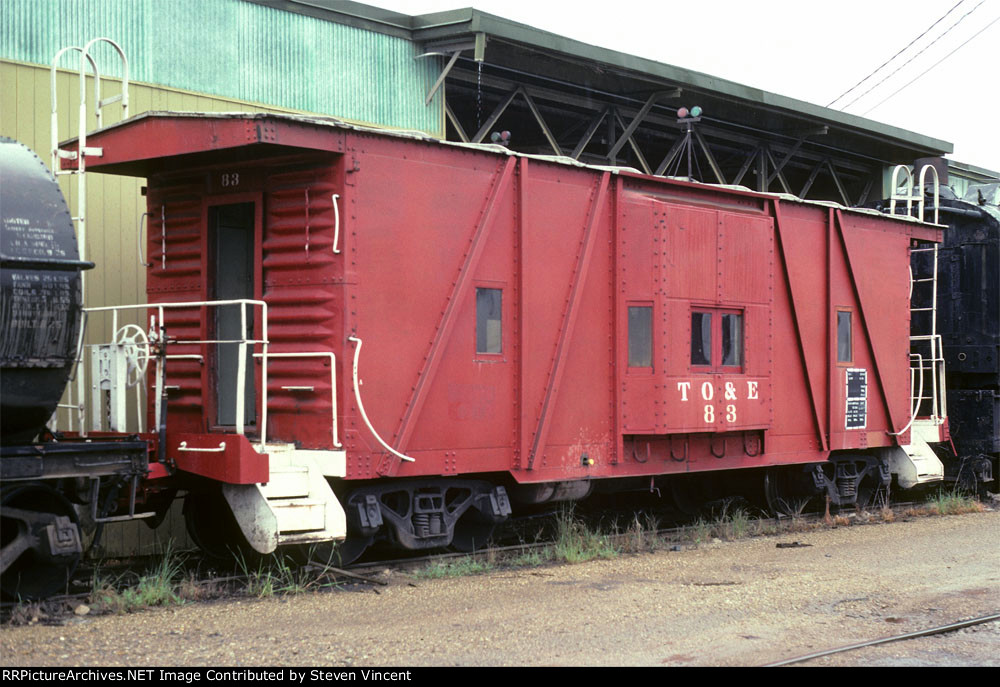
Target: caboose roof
x,y
153,142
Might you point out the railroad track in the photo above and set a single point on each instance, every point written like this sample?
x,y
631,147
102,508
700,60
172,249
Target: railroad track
x,y
201,571
940,629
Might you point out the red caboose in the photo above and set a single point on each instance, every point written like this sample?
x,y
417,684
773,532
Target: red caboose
x,y
435,327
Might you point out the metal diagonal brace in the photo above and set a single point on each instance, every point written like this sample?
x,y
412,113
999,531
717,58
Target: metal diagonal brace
x,y
569,318
440,79
591,130
464,137
445,327
776,173
495,115
635,147
637,120
708,156
796,308
541,122
865,317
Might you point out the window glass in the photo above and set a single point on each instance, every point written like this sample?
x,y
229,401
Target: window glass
x,y
640,336
489,337
732,340
701,338
845,354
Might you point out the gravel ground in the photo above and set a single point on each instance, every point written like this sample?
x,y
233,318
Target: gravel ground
x,y
740,603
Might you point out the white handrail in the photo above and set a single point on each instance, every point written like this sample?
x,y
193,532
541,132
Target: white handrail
x,y
361,406
184,447
138,246
54,124
914,400
333,387
909,190
336,224
241,363
923,196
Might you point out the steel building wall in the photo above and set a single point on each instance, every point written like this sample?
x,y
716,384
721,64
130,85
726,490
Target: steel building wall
x,y
238,50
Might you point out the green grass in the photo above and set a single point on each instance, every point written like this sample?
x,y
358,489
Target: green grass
x,y
457,567
576,542
158,587
277,574
952,503
731,523
531,559
641,534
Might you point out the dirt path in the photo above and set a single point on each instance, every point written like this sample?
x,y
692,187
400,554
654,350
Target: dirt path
x,y
742,603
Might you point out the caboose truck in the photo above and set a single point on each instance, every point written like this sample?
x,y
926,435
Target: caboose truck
x,y
367,334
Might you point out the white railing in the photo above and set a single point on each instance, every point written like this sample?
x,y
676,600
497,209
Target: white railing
x,y
137,351
75,400
911,194
927,352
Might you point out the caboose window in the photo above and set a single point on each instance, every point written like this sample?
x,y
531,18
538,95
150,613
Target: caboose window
x,y
640,336
732,340
701,338
489,335
845,353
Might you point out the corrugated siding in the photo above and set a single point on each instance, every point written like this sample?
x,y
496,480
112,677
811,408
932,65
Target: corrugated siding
x,y
237,50
305,302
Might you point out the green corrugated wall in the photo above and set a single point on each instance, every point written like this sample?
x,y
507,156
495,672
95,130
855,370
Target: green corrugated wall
x,y
238,50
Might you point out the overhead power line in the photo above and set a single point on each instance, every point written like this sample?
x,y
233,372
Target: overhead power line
x,y
895,71
933,65
897,54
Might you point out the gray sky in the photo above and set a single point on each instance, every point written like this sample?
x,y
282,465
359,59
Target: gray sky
x,y
807,50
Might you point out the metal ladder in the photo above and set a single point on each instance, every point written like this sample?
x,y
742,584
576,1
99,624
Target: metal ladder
x,y
927,380
80,155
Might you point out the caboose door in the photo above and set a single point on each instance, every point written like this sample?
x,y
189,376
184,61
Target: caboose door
x,y
232,251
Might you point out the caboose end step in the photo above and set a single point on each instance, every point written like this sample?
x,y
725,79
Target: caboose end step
x,y
296,506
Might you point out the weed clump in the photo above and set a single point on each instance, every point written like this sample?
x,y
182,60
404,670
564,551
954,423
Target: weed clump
x,y
952,503
158,587
576,542
459,567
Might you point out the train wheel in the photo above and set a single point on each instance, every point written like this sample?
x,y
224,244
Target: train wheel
x,y
472,532
871,494
784,495
689,493
213,527
349,550
333,554
34,519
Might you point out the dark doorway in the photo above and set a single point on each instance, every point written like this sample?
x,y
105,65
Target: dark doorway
x,y
232,236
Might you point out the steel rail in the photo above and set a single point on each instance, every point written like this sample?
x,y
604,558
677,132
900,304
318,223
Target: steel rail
x,y
885,640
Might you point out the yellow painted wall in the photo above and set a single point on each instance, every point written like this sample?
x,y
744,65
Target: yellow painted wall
x,y
114,206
